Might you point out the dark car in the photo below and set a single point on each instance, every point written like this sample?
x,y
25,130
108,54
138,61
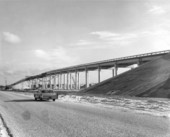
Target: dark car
x,y
45,95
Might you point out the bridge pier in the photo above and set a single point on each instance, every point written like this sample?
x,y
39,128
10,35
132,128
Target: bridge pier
x,y
70,81
61,81
75,80
46,82
54,81
99,70
40,83
115,68
31,81
58,81
113,72
86,78
67,81
50,82
78,81
37,83
139,62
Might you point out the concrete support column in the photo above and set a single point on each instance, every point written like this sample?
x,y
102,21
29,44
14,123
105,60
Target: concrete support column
x,y
42,82
50,81
75,81
45,81
86,78
139,62
37,80
37,84
70,81
61,81
32,84
113,72
64,84
22,85
99,70
29,85
54,80
67,80
58,79
78,81
116,69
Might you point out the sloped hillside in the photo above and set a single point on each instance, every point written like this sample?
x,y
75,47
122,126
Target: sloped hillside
x,y
150,79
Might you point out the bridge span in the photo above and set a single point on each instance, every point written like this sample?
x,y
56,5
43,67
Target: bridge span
x,y
69,79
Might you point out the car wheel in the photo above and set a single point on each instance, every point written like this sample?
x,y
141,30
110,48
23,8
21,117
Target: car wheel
x,y
53,99
36,99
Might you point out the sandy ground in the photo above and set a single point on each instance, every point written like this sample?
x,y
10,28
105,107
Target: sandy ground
x,y
153,106
3,131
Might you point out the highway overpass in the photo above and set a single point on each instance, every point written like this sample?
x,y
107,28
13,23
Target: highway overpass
x,y
69,79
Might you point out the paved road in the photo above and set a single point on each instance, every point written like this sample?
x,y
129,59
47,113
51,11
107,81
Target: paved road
x,y
28,118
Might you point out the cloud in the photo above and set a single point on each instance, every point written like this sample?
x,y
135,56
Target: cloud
x,y
111,37
41,54
159,37
11,38
61,54
55,57
83,43
105,34
105,39
158,10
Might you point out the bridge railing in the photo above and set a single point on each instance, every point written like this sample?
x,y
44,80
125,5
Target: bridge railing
x,y
116,59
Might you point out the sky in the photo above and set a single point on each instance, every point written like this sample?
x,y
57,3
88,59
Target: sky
x,y
42,35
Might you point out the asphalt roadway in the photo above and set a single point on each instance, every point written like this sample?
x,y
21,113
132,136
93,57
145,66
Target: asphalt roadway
x,y
28,118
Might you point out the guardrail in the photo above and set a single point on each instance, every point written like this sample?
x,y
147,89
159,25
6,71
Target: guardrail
x,y
115,60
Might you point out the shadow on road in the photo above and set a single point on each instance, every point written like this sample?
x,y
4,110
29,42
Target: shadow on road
x,y
25,100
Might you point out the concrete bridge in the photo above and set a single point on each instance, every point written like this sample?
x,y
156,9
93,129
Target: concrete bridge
x,y
69,78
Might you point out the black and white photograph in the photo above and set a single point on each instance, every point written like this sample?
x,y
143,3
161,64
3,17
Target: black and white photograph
x,y
84,68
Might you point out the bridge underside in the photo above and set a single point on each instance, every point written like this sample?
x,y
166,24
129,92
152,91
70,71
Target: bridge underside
x,y
71,80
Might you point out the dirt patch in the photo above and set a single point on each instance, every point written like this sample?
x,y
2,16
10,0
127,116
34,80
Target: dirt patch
x,y
157,107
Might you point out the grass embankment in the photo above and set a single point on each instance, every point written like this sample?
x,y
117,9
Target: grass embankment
x,y
151,79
